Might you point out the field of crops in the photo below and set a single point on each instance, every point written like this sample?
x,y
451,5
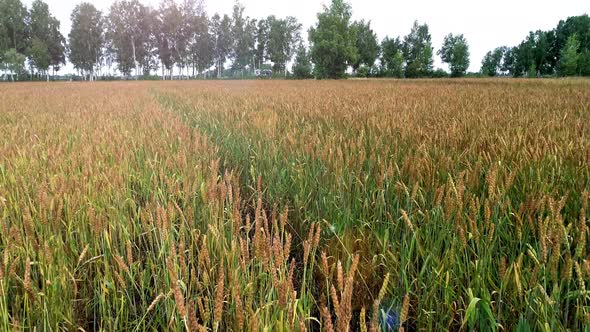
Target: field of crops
x,y
295,206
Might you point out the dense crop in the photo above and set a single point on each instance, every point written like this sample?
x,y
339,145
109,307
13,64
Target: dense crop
x,y
360,205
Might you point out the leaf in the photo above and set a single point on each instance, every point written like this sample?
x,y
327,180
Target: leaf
x,y
523,326
471,313
489,315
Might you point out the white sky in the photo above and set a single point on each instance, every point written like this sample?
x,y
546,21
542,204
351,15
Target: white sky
x,y
485,24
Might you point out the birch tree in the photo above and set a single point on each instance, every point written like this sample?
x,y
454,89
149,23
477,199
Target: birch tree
x,y
86,38
126,32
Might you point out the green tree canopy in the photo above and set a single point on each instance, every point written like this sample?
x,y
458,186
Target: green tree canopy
x,y
14,62
367,47
221,31
14,32
261,48
57,45
302,67
128,34
200,40
455,52
540,53
39,55
570,56
282,38
86,39
578,25
39,20
491,64
47,43
508,61
392,59
332,43
418,51
243,38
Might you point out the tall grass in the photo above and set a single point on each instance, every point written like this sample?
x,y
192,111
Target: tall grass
x,y
373,205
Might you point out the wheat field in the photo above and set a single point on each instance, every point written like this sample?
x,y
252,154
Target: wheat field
x,y
295,206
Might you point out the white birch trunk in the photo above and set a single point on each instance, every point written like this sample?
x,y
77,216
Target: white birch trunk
x,y
134,58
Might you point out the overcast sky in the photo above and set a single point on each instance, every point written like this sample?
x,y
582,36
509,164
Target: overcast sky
x,y
485,24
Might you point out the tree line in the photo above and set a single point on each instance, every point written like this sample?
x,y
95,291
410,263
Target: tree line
x,y
139,41
563,51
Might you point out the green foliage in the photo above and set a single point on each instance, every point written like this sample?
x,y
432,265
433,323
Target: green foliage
x,y
541,42
570,56
534,52
440,73
221,32
283,34
508,60
57,45
86,38
540,53
455,52
523,326
242,31
392,59
366,44
395,67
492,64
39,17
203,46
14,62
584,63
578,25
532,71
332,43
523,58
14,32
261,36
39,54
478,315
302,67
4,42
363,71
47,43
418,51
128,34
